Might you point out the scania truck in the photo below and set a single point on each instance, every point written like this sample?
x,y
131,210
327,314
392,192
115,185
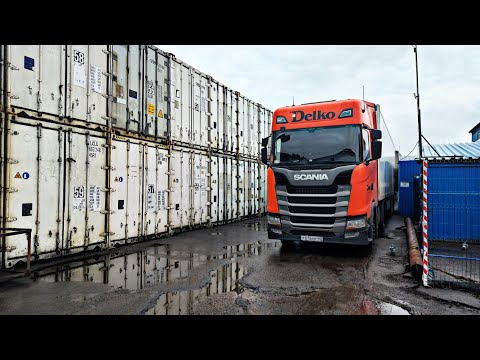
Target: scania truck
x,y
327,180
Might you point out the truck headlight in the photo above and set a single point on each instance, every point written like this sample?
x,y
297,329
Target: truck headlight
x,y
357,223
273,220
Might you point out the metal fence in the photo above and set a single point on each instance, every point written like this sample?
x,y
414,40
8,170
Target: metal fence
x,y
451,230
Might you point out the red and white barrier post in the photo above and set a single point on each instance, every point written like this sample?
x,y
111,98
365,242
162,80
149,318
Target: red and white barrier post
x,y
425,224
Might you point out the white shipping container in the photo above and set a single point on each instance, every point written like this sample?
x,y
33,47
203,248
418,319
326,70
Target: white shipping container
x,y
87,67
221,117
36,77
200,123
255,131
222,193
214,191
228,172
200,203
242,179
234,214
242,119
212,113
127,86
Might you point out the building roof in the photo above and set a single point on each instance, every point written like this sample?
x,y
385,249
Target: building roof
x,y
475,128
460,150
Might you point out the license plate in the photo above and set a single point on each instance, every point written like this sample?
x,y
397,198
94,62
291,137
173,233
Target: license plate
x,y
311,238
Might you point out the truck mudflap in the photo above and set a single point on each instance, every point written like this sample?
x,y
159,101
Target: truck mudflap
x,y
327,238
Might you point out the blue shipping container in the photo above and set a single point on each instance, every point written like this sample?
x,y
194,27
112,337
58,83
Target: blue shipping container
x,y
454,201
407,171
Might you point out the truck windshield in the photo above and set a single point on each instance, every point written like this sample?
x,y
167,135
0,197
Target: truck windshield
x,y
321,145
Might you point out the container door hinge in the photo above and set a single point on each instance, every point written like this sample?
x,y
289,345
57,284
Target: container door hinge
x,y
105,167
10,248
107,211
106,146
9,190
107,233
11,219
15,97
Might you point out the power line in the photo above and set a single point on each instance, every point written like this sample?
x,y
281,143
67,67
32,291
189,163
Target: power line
x,y
385,122
410,151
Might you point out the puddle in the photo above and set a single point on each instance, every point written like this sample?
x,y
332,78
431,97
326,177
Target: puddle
x,y
158,265
390,309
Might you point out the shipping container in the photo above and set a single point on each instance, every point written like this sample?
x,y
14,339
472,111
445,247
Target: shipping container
x,y
408,170
453,201
200,125
180,186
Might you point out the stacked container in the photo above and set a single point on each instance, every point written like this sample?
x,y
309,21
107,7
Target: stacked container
x,y
113,144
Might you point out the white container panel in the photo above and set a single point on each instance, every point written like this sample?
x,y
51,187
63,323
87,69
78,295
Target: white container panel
x,y
221,117
255,131
213,183
118,198
222,198
241,188
256,209
180,188
161,220
229,189
248,127
234,214
162,95
200,184
241,124
135,87
29,178
200,109
126,90
126,199
180,101
234,123
228,120
87,83
149,190
37,77
150,91
214,124
263,188
85,190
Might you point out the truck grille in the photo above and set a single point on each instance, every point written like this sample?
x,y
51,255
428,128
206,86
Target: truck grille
x,y
311,220
314,200
312,233
332,189
311,210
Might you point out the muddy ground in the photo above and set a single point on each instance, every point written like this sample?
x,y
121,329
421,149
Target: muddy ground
x,y
236,269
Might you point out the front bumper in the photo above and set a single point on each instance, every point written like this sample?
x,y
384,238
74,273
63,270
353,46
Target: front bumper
x,y
328,238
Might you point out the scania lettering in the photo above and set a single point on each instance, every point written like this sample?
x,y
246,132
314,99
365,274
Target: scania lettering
x,y
330,177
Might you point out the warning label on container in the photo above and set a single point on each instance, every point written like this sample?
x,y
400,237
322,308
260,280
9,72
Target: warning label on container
x,y
161,200
161,158
151,109
17,175
151,197
78,198
160,114
96,78
93,198
79,73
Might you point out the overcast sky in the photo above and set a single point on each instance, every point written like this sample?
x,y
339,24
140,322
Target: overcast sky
x,y
449,81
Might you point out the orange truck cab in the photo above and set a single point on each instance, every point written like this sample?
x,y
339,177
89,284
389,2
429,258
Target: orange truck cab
x,y
327,180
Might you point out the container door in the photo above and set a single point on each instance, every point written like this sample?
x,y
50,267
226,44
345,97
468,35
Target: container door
x,y
161,170
119,89
85,194
176,100
118,198
196,111
162,95
150,90
254,131
135,87
241,187
228,120
235,199
241,124
181,188
221,116
213,184
222,200
37,78
87,83
35,187
228,181
197,176
248,131
149,189
212,113
234,123
255,188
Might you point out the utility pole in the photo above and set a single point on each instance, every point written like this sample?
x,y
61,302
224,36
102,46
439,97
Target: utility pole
x,y
417,96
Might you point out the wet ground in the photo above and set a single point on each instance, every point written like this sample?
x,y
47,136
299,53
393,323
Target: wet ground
x,y
236,269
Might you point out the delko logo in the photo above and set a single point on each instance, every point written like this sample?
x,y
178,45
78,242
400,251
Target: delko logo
x,y
310,177
299,115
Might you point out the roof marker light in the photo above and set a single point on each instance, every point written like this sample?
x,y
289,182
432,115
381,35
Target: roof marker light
x,y
346,113
281,120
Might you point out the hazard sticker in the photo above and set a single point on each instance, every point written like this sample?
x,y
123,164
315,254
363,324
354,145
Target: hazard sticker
x,y
18,176
116,179
151,109
160,114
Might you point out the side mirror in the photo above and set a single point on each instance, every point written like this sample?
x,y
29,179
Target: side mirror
x,y
265,141
264,155
376,150
376,134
